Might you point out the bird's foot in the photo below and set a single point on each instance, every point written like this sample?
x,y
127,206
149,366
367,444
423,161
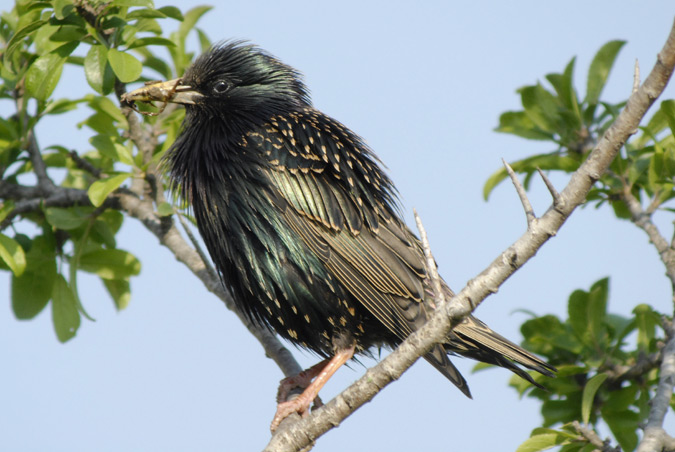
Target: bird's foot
x,y
298,405
301,380
320,373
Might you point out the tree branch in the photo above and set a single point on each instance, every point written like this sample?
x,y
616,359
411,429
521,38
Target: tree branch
x,y
589,435
308,429
432,270
527,206
655,437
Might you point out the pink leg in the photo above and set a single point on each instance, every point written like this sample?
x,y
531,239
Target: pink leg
x,y
323,371
301,380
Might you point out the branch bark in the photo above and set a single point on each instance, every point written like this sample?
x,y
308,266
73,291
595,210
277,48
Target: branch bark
x,y
303,433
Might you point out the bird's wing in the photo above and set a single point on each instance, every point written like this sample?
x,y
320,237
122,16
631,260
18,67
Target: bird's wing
x,y
340,207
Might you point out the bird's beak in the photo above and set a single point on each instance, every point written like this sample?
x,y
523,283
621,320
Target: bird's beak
x,y
172,91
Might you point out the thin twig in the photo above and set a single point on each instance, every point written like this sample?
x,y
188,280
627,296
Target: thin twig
x,y
432,269
557,200
636,76
589,435
44,181
619,374
529,212
85,165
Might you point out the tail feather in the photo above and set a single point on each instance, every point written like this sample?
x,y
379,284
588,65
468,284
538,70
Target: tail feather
x,y
438,358
474,339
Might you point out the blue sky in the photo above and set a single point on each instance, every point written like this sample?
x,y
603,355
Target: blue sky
x,y
424,85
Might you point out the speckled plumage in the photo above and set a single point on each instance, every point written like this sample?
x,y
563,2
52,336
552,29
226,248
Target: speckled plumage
x,y
301,221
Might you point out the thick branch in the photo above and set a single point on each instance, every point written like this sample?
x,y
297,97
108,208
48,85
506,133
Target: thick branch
x,y
643,220
305,431
655,437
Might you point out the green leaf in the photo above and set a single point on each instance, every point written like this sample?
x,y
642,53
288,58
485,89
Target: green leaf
x,y
190,19
646,320
126,66
62,8
541,107
12,254
65,316
597,309
640,165
140,3
165,209
172,12
564,86
100,123
204,41
100,189
180,57
543,441
560,410
546,334
44,74
624,425
68,34
105,145
110,264
5,208
588,396
668,109
32,290
656,124
158,65
599,70
151,41
105,106
113,219
18,38
98,72
120,292
520,124
59,106
586,311
149,25
66,219
102,233
145,14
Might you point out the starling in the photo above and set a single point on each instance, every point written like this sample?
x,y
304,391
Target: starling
x,y
302,223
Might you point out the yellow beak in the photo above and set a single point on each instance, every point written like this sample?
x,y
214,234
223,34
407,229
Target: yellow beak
x,y
171,91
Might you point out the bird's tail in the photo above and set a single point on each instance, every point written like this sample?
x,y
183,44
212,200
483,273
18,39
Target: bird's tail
x,y
438,357
474,339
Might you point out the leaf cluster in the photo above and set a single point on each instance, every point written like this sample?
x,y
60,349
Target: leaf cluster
x,y
558,115
607,368
46,236
608,364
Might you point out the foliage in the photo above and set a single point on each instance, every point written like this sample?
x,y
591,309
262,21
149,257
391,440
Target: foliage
x,y
645,167
607,363
111,44
597,354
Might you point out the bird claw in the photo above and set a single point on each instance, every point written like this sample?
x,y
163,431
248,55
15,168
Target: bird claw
x,y
298,405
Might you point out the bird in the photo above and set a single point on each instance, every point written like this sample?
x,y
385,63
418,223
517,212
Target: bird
x,y
302,222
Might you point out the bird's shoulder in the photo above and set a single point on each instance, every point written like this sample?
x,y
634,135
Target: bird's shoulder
x,y
325,171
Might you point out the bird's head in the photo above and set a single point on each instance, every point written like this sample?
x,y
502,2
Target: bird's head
x,y
231,81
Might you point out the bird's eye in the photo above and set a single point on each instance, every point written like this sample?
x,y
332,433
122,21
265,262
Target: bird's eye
x,y
220,87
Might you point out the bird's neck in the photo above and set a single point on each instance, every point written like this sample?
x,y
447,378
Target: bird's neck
x,y
209,159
